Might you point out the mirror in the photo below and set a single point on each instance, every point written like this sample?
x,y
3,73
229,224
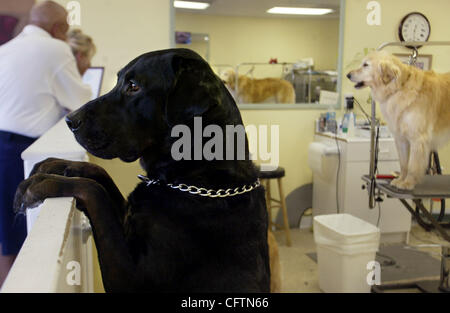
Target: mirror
x,y
268,60
199,42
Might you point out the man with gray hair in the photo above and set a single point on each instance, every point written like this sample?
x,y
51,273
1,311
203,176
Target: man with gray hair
x,y
39,84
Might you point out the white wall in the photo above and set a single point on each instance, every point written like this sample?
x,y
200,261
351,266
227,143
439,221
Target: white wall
x,y
122,30
236,39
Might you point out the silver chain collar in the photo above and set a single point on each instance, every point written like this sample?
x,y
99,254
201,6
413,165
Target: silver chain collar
x,y
221,193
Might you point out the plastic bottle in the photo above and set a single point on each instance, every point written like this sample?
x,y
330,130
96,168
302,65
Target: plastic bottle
x,y
351,124
345,123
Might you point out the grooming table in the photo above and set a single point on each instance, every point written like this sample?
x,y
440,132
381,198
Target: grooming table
x,y
432,187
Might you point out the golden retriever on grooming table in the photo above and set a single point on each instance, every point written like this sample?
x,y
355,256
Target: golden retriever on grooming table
x,y
251,90
415,105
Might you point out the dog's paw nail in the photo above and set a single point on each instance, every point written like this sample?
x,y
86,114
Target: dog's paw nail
x,y
67,172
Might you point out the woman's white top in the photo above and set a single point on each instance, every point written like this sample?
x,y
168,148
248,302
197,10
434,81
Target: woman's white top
x,y
39,82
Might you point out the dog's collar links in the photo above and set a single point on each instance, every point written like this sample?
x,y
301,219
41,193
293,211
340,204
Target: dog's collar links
x,y
221,193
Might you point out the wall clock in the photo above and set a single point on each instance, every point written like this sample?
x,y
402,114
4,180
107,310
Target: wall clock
x,y
414,27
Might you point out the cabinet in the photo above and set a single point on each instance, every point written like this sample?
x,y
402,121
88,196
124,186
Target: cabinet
x,y
341,183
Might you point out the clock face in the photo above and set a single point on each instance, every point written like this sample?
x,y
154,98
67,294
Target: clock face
x,y
414,27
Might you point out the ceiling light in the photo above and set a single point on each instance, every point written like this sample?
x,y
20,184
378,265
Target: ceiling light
x,y
190,5
299,11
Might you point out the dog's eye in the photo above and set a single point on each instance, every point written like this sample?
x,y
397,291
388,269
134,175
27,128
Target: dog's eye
x,y
132,87
365,65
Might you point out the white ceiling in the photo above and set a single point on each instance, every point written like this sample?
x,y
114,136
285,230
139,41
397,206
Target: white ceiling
x,y
258,8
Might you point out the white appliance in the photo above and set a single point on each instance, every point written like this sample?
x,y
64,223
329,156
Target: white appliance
x,y
338,163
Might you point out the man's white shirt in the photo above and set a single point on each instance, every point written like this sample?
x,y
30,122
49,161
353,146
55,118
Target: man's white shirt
x,y
39,83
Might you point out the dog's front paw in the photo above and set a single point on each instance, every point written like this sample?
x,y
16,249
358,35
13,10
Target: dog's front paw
x,y
51,166
34,190
395,182
404,184
68,168
29,193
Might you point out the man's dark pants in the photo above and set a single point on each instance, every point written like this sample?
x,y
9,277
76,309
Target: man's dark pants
x,y
12,227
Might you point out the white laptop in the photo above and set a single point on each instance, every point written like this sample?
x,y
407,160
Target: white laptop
x,y
94,78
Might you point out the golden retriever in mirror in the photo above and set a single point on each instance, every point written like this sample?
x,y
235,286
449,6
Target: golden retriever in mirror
x,y
252,90
415,105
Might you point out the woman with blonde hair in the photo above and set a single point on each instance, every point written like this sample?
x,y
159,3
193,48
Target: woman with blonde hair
x,y
83,48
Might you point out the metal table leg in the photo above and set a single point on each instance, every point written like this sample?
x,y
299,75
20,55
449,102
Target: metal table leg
x,y
433,286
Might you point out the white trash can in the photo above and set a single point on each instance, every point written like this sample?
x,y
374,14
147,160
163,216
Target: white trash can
x,y
345,245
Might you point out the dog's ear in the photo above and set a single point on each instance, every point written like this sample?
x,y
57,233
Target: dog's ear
x,y
388,71
195,90
230,77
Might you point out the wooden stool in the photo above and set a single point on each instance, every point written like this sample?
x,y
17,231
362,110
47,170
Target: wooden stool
x,y
265,177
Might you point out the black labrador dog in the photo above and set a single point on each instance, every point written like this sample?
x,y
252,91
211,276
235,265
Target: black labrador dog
x,y
192,225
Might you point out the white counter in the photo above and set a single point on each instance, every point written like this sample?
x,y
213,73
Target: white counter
x,y
57,253
58,142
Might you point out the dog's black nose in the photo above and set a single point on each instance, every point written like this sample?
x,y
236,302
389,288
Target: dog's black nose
x,y
349,75
73,122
